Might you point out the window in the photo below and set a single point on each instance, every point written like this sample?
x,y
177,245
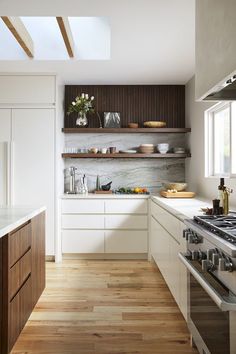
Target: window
x,y
220,144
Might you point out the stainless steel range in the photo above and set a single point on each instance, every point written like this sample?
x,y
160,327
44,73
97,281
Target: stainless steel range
x,y
211,264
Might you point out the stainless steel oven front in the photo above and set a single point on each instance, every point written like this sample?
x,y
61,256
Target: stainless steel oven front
x,y
211,308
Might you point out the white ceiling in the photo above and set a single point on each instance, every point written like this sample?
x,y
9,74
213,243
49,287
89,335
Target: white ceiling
x,y
152,41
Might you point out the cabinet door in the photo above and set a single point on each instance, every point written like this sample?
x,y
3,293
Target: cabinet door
x,y
5,137
85,221
132,222
126,206
82,206
27,89
160,247
120,241
19,311
33,163
174,269
82,241
183,295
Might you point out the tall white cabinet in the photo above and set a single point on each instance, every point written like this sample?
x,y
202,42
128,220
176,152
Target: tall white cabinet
x,y
27,146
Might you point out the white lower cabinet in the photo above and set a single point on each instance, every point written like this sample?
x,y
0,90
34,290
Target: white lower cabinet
x,y
83,241
136,222
83,221
164,248
117,241
99,226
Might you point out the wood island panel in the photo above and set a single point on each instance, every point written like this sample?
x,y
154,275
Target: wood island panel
x,y
38,256
22,276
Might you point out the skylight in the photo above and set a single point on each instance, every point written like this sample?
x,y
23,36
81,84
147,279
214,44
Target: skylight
x,y
90,36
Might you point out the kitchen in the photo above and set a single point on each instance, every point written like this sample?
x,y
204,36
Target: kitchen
x,y
117,174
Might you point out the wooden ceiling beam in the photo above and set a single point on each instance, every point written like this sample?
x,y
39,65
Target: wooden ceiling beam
x,y
66,33
19,31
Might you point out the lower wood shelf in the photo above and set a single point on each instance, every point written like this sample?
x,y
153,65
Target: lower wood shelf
x,y
122,156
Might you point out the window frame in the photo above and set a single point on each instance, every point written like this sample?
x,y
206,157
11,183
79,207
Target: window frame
x,y
209,139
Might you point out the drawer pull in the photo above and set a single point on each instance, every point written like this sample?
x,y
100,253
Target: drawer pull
x,y
26,279
28,249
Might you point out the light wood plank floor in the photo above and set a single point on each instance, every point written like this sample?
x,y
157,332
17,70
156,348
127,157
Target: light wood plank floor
x,y
105,307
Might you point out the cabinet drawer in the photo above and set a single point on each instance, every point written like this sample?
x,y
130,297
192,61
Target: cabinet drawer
x,y
167,220
83,222
19,243
83,241
134,222
126,206
82,206
19,311
19,273
126,241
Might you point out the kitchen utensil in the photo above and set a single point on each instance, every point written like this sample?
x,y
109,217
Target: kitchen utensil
x,y
178,186
154,124
133,125
146,148
163,148
166,194
71,171
103,192
179,150
94,150
112,149
106,187
128,151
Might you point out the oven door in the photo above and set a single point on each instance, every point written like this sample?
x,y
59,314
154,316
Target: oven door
x,y
211,310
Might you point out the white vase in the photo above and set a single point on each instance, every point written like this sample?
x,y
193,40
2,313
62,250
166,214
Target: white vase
x,y
82,120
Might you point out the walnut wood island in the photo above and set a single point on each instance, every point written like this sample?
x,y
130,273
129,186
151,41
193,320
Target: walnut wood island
x,y
22,269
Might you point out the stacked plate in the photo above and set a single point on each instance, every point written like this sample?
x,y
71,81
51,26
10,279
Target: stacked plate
x,y
146,148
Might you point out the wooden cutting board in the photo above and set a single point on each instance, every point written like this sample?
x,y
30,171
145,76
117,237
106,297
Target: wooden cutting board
x,y
177,194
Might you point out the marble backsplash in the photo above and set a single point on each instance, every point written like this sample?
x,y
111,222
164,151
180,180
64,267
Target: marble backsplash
x,y
148,173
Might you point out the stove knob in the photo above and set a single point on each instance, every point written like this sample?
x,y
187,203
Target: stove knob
x,y
195,255
191,238
225,264
210,254
222,264
215,259
205,265
201,255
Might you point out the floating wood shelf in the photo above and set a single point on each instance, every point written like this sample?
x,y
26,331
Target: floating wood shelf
x,y
122,156
124,130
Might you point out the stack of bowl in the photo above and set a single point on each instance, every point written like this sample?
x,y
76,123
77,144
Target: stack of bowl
x,y
146,148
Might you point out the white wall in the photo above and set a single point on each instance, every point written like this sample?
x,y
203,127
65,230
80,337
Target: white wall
x,y
204,187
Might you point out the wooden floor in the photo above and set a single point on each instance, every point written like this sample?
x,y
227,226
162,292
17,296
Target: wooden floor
x,y
105,307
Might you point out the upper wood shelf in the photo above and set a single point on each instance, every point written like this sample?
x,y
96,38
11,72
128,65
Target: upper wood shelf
x,y
123,156
124,130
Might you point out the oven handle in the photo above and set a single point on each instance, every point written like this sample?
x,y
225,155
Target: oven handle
x,y
214,295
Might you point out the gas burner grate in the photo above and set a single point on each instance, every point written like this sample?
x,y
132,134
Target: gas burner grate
x,y
222,226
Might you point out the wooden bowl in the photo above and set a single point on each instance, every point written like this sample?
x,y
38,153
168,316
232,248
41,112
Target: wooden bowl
x,y
133,125
154,124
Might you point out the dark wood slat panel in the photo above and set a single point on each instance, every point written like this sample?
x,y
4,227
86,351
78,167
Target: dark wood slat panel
x,y
125,130
123,156
136,103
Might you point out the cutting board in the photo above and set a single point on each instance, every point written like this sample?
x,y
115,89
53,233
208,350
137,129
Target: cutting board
x,y
177,194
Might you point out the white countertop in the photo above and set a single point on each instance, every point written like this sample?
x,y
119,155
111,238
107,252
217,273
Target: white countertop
x,y
182,208
105,196
13,217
